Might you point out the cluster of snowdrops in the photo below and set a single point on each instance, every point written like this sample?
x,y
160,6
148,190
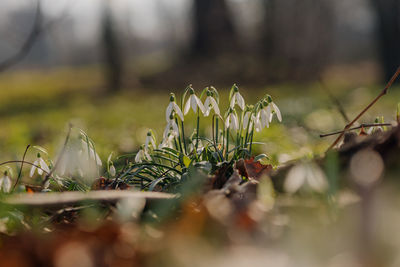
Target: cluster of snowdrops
x,y
164,164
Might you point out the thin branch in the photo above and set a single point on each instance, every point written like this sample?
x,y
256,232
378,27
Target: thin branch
x,y
364,125
38,28
382,93
28,44
22,165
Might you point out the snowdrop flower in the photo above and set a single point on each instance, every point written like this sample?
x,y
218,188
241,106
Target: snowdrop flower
x,y
265,114
274,108
193,102
173,107
305,173
5,183
232,121
237,98
211,103
257,123
171,128
248,118
112,170
167,142
192,146
92,154
376,128
142,155
150,140
41,163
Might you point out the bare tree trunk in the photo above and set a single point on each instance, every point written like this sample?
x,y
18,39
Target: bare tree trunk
x,y
111,50
296,39
388,14
213,29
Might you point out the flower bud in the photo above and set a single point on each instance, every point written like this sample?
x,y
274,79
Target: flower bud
x,y
235,88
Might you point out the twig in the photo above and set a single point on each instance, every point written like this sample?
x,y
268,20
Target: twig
x,y
28,44
37,29
22,165
364,125
382,93
60,156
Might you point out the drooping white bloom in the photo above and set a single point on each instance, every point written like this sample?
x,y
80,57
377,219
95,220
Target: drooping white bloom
x,y
265,114
167,142
5,183
257,122
172,106
142,155
112,170
194,102
209,104
91,154
41,163
248,120
171,128
150,140
237,98
232,121
273,108
305,173
192,145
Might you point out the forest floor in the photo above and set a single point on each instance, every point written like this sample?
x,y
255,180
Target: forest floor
x,y
242,214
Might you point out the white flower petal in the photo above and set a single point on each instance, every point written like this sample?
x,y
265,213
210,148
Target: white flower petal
x,y
277,111
112,170
316,179
33,168
227,122
207,105
200,105
233,100
246,120
169,110
6,184
295,178
178,111
138,157
43,165
193,103
187,107
214,104
98,160
240,101
235,122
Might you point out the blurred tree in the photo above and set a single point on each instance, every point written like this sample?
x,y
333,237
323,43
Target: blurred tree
x,y
213,32
296,37
388,15
111,50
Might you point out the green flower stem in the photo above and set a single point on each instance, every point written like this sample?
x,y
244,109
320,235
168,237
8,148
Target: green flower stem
x,y
180,142
183,136
227,144
216,130
251,139
197,129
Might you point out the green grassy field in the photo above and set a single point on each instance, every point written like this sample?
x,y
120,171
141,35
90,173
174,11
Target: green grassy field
x,y
36,106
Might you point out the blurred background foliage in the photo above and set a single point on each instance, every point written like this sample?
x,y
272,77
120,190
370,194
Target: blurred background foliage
x,y
108,66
